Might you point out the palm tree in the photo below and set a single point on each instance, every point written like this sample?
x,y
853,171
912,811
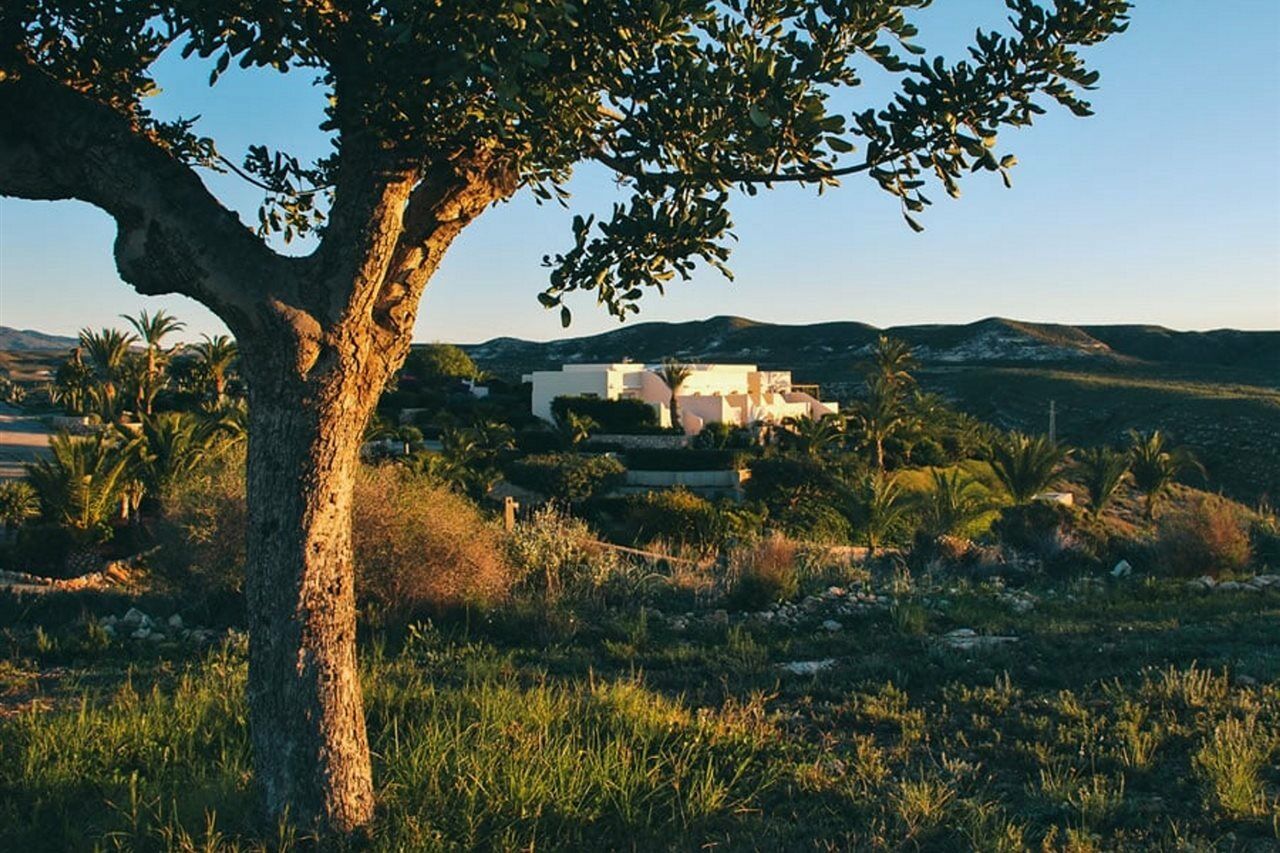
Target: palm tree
x,y
1156,466
956,501
814,437
18,502
1102,472
83,481
174,445
577,428
892,361
107,352
1026,466
674,374
879,508
216,356
152,330
880,416
71,384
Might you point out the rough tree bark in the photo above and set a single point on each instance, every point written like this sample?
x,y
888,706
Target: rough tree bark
x,y
319,338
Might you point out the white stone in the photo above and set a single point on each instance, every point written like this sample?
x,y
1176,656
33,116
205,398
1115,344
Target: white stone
x,y
1122,569
832,625
807,667
134,617
141,634
175,621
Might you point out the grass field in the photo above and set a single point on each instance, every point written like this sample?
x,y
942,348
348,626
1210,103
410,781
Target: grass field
x,y
1131,715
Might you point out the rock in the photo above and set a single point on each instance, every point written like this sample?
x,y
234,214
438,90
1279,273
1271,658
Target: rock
x,y
141,633
1122,569
832,625
1230,586
134,617
967,639
718,617
1245,681
807,667
109,630
175,621
835,592
109,622
1200,585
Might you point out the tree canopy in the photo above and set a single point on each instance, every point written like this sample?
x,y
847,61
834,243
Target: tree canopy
x,y
685,100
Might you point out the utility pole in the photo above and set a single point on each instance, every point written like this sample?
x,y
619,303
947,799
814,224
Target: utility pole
x,y
1053,422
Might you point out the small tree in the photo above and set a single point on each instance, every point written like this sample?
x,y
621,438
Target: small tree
x,y
892,362
674,374
216,357
107,352
814,437
954,503
879,508
1102,472
152,330
18,503
435,363
1156,466
1027,466
879,417
81,484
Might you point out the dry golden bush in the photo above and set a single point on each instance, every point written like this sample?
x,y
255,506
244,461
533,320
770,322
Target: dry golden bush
x,y
419,545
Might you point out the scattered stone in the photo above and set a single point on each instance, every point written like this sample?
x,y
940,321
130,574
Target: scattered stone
x,y
1245,681
1201,584
1122,569
1230,586
807,667
134,617
141,634
832,625
967,639
718,617
175,621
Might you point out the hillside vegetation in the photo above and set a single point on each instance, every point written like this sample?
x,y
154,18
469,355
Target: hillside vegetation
x,y
1217,392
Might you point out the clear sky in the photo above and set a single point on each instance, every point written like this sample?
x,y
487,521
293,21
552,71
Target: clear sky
x,y
1163,208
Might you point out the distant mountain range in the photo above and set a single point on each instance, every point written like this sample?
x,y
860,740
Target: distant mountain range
x,y
29,340
819,350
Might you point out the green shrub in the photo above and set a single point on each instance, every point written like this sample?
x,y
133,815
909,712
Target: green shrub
x,y
1206,538
658,459
569,477
557,554
677,516
624,417
41,549
202,531
813,521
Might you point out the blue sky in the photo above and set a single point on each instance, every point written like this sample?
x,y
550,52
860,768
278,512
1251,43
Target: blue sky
x,y
1163,208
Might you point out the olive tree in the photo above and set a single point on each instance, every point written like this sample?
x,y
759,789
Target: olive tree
x,y
436,111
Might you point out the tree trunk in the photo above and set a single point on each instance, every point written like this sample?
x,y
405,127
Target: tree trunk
x,y
311,752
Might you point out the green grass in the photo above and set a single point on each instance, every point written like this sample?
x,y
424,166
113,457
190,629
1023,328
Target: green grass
x,y
1134,717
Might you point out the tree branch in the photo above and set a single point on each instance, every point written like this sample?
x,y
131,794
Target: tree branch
x,y
675,178
173,235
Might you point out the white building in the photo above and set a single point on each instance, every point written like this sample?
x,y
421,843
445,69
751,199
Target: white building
x,y
714,393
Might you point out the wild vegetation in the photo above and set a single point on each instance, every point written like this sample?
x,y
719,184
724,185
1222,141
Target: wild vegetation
x,y
891,640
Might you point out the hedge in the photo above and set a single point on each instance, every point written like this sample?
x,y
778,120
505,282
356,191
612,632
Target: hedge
x,y
621,417
569,477
661,459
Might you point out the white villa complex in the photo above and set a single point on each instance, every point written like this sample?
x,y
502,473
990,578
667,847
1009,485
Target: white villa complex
x,y
714,393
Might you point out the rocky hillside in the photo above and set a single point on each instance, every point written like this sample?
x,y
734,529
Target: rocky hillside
x,y
29,340
823,349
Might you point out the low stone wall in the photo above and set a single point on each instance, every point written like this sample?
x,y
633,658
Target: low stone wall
x,y
641,442
730,479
